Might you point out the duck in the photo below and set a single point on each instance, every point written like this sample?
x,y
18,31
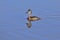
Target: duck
x,y
30,17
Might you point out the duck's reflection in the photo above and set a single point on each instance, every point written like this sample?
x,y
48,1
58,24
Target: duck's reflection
x,y
29,24
31,18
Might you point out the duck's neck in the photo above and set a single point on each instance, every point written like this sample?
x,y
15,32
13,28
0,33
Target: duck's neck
x,y
29,16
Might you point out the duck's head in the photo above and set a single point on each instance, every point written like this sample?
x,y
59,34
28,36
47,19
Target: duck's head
x,y
29,11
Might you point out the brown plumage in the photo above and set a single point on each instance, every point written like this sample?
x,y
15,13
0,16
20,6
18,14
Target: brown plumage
x,y
33,18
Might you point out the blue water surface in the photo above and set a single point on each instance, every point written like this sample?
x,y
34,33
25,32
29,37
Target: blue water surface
x,y
13,19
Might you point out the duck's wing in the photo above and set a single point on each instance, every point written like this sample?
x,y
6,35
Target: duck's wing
x,y
29,24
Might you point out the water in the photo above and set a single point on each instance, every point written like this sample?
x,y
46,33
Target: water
x,y
13,19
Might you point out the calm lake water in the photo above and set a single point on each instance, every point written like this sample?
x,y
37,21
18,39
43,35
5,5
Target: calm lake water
x,y
13,19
